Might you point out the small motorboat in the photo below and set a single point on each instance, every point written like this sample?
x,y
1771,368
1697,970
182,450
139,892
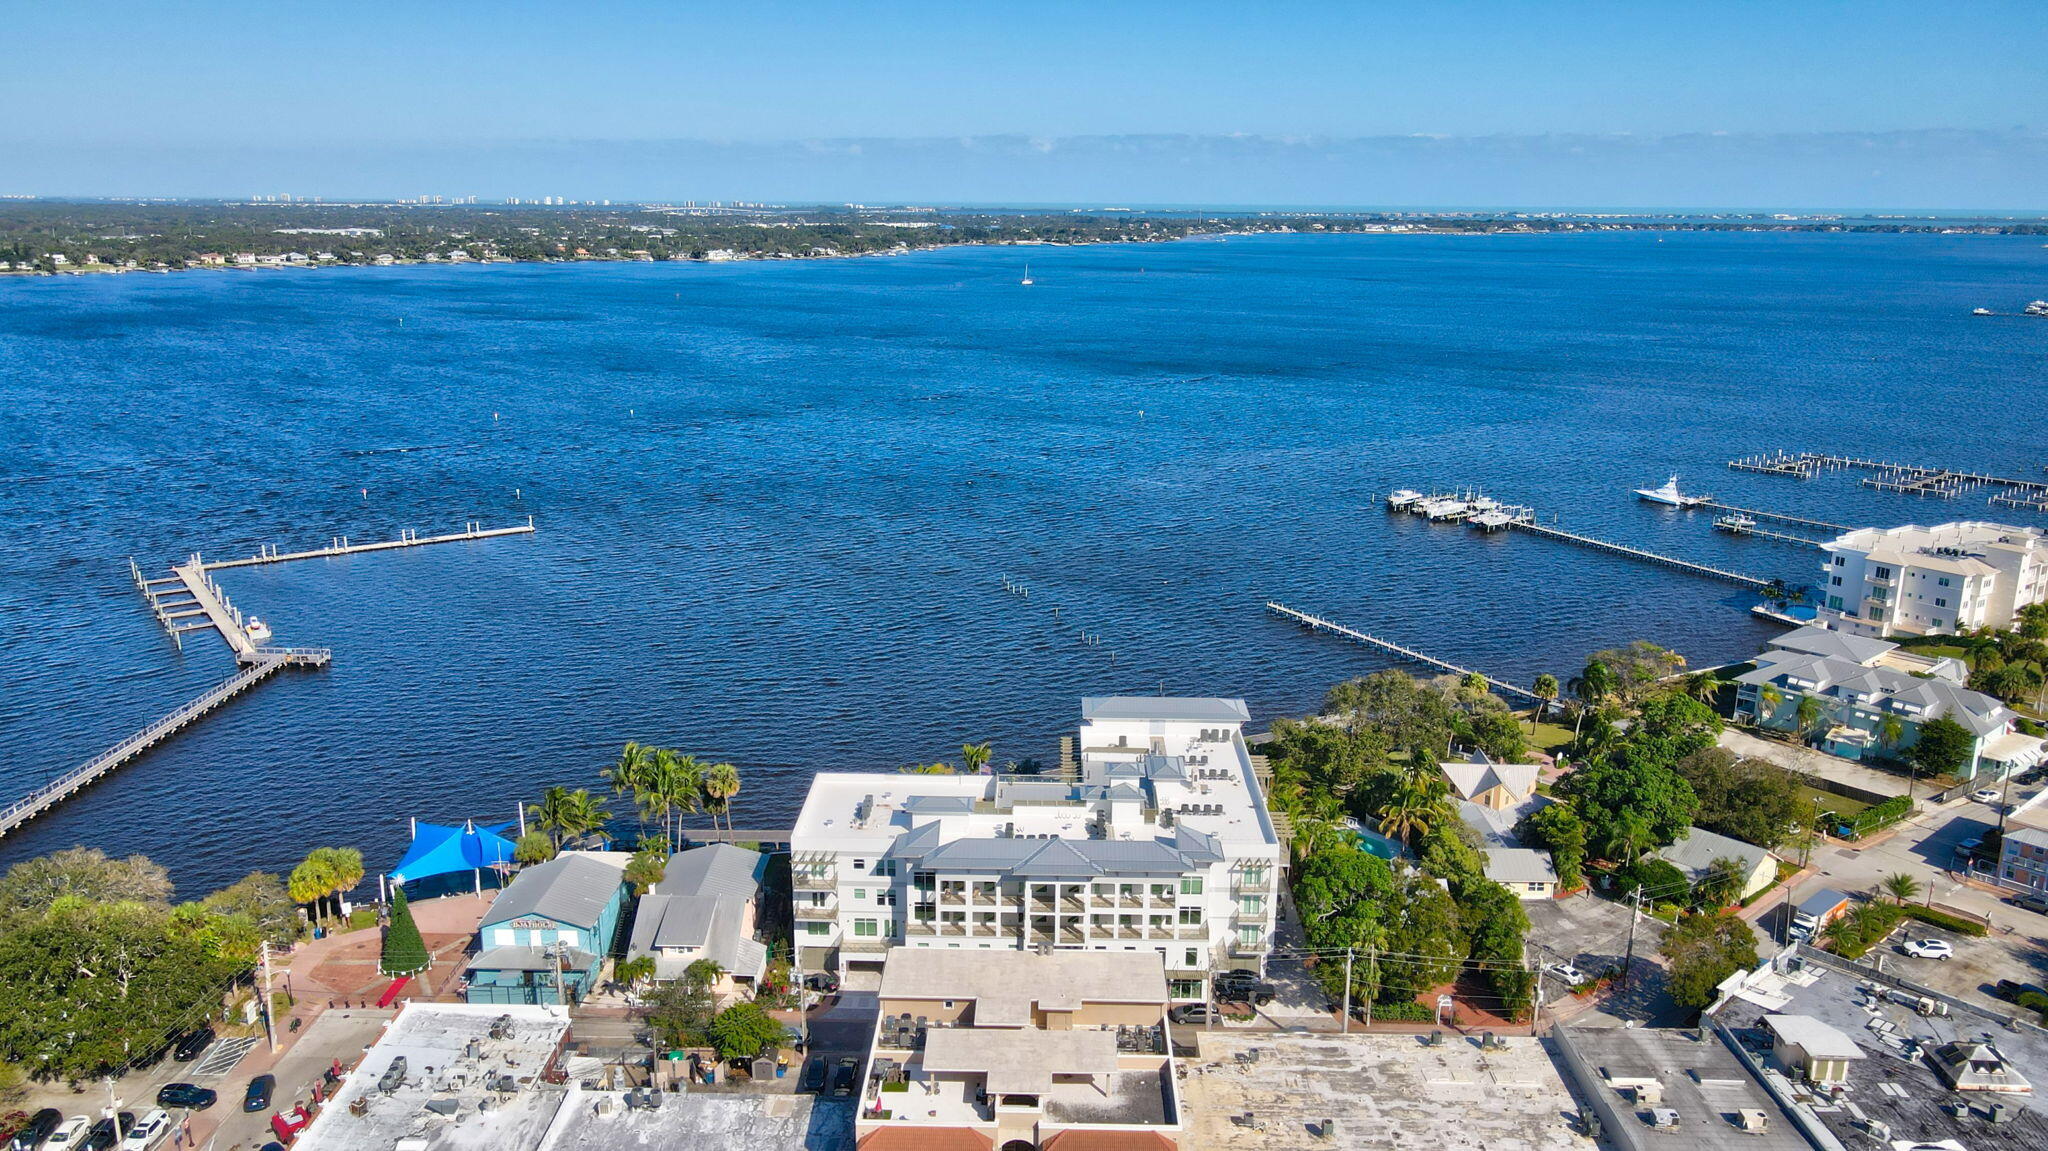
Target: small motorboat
x,y
2037,308
1982,312
257,629
1399,501
1737,523
1669,496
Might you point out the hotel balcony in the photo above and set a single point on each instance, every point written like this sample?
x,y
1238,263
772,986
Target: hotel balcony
x,y
1258,946
953,898
815,880
866,944
804,910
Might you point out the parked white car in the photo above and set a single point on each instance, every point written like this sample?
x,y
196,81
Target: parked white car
x,y
148,1133
1989,795
69,1137
1928,948
1572,976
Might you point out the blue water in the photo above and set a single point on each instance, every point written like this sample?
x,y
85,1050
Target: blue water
x,y
776,501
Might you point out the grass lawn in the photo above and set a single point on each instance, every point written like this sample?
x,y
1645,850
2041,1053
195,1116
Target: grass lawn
x,y
1841,805
1547,737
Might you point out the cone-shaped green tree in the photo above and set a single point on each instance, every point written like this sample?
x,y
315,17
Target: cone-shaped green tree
x,y
405,953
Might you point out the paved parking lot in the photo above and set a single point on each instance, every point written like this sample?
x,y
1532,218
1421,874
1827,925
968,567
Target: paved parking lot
x,y
1977,966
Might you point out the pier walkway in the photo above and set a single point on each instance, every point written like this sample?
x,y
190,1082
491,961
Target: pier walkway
x,y
1779,517
265,663
1317,623
1907,479
1726,524
1530,525
339,545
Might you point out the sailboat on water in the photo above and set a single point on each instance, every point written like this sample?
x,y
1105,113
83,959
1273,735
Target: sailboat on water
x,y
1026,281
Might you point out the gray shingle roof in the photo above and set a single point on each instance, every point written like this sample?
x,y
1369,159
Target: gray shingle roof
x,y
1698,848
1833,644
570,889
1519,865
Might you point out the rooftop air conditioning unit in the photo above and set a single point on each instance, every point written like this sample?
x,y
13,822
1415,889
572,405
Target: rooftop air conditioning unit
x,y
1663,1118
1751,1119
1649,1094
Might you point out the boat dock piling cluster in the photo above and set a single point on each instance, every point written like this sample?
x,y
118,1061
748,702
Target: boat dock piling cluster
x,y
1904,479
1493,515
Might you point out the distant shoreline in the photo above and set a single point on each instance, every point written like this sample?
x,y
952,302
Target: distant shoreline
x,y
55,240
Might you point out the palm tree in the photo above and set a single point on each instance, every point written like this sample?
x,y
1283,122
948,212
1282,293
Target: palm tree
x,y
629,775
346,864
975,756
1704,686
1546,691
1811,715
1591,688
586,812
1890,730
552,814
678,786
1901,887
926,769
1408,813
721,784
310,882
631,971
1629,837
1720,885
1768,697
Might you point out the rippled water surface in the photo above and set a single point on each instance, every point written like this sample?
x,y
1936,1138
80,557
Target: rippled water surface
x,y
777,501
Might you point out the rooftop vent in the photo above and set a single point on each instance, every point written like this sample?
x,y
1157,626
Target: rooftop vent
x,y
1663,1118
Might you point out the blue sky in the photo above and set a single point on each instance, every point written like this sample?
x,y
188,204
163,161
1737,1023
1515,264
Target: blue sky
x,y
246,89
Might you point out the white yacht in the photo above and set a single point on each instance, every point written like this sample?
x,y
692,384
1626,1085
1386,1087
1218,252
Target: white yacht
x,y
2038,308
1982,312
1399,501
1669,495
1026,281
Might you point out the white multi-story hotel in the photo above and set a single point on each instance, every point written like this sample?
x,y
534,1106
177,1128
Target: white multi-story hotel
x,y
1161,842
1932,581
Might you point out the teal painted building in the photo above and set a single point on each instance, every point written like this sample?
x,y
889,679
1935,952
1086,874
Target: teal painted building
x,y
547,933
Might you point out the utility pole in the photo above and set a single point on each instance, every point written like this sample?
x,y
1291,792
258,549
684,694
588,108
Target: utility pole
x,y
269,1024
1628,961
1345,1023
1372,976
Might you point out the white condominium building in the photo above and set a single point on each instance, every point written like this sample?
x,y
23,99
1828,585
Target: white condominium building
x,y
1932,581
1160,842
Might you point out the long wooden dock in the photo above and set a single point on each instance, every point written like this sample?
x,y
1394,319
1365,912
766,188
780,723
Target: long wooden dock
x,y
1725,524
1780,517
267,662
1906,479
340,545
1318,623
1556,533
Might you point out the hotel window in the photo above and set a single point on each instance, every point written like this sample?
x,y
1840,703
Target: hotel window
x,y
886,897
1190,917
860,865
817,928
1884,573
886,867
864,927
1249,936
1186,988
1834,603
1191,885
1943,581
1937,623
817,899
1835,581
1251,904
1255,876
1192,958
860,895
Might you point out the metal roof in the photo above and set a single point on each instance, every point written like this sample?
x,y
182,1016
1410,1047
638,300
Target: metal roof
x,y
1186,709
570,889
719,869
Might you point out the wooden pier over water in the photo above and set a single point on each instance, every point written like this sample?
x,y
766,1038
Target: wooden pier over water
x,y
1905,479
1318,623
189,600
267,662
1556,533
1780,517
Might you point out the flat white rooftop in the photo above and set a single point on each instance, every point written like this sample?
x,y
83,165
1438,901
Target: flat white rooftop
x,y
485,1092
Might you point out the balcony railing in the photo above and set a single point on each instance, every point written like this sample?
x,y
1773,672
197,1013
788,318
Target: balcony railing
x,y
864,943
815,881
828,911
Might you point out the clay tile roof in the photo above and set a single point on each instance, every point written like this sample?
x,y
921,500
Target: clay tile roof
x,y
926,1139
1081,1140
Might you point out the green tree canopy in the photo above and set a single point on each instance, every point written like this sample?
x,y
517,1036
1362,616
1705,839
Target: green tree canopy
x,y
91,987
679,1013
1749,799
1704,949
33,886
1609,791
261,897
1558,829
1944,747
744,1031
